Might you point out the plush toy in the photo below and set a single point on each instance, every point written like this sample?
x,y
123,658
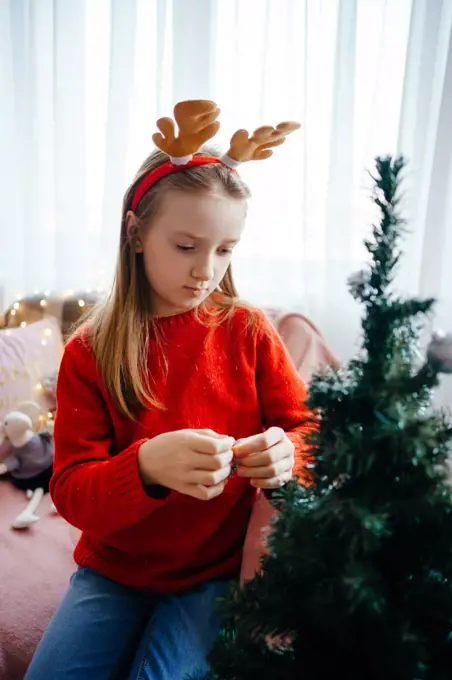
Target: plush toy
x,y
29,462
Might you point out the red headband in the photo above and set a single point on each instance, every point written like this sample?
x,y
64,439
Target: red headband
x,y
165,169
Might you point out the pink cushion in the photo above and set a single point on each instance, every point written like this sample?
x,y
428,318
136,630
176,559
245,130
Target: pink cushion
x,y
26,356
309,352
304,341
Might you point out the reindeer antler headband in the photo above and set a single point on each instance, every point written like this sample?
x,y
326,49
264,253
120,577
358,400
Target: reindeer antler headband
x,y
197,123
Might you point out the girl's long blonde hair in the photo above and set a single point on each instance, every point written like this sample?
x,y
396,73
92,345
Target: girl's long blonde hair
x,y
119,328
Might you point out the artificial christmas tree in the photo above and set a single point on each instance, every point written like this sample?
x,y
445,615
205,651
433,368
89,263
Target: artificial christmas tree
x,y
358,583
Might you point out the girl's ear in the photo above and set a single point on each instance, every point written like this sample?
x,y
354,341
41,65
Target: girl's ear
x,y
133,232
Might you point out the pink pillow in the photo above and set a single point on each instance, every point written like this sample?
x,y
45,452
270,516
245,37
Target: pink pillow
x,y
27,355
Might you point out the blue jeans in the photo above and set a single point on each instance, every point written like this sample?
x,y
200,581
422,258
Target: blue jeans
x,y
105,631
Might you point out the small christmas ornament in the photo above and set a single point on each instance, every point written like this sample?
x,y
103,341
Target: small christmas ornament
x,y
357,283
439,352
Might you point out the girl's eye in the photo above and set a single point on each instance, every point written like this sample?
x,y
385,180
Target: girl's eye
x,y
225,251
185,249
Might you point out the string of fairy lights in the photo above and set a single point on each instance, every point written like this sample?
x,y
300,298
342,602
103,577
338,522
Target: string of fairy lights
x,y
43,303
100,283
51,304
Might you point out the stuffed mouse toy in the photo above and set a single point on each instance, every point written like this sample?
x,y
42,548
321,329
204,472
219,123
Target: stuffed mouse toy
x,y
29,462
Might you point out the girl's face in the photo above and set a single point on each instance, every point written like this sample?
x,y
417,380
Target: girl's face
x,y
189,246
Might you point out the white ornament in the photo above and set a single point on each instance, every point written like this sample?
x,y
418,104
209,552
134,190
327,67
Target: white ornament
x,y
439,352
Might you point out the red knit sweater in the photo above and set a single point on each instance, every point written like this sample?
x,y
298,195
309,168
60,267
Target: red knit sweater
x,y
231,378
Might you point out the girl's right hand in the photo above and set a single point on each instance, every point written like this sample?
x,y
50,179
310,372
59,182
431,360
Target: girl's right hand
x,y
193,462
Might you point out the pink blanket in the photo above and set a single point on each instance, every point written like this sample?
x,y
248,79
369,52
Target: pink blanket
x,y
35,567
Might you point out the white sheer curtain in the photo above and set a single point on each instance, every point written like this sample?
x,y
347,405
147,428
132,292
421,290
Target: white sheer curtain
x,y
82,82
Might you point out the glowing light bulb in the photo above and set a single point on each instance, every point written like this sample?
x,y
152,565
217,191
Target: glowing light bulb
x,y
43,303
23,324
16,305
81,303
13,312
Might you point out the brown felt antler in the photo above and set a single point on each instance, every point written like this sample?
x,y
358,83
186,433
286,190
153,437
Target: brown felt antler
x,y
259,146
197,123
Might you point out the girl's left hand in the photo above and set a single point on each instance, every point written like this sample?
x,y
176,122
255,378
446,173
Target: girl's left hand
x,y
267,459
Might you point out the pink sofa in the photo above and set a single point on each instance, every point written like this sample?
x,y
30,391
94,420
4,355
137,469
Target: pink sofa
x,y
34,569
35,565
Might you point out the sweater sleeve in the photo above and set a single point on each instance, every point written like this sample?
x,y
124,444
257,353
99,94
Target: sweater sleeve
x,y
93,490
282,393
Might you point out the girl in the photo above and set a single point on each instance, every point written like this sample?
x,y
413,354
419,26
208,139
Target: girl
x,y
154,392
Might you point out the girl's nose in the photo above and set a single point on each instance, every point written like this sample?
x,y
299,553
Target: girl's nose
x,y
203,271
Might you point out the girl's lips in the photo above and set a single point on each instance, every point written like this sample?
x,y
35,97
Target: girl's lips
x,y
196,291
